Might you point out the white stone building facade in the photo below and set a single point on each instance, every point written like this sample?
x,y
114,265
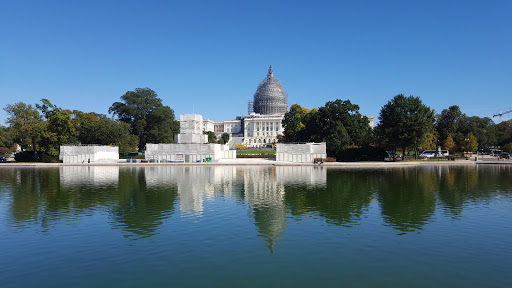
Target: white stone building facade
x,y
89,154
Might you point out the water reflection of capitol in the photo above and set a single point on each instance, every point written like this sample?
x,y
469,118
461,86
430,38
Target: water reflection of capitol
x,y
262,188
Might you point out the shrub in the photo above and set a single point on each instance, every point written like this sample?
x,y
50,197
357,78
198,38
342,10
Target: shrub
x,y
28,156
47,158
367,153
5,150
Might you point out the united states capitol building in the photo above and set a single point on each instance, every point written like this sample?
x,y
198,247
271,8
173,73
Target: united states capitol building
x,y
263,123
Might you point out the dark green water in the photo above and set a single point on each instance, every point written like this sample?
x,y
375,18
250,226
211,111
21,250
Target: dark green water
x,y
197,226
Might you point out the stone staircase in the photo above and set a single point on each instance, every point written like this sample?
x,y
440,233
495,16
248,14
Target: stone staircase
x,y
234,141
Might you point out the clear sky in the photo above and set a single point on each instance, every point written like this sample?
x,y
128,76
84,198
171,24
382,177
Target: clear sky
x,y
208,57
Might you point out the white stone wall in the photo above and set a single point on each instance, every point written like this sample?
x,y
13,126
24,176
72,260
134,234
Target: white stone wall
x,y
191,138
89,154
189,153
300,153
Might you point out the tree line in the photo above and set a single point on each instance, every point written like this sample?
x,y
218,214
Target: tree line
x,y
405,124
42,128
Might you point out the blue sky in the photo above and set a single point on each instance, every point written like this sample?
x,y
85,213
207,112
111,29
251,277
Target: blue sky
x,y
208,57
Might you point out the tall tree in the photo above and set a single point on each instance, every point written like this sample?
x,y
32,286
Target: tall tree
x,y
148,118
448,121
26,124
6,140
430,140
483,128
99,129
60,129
211,136
469,143
404,121
449,144
293,124
225,138
504,133
342,125
338,123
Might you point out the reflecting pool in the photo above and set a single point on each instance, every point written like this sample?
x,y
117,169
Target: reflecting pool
x,y
239,226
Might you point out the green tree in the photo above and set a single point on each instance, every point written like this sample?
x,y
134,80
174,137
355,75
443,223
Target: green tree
x,y
430,140
338,123
148,118
293,124
342,124
483,128
504,135
224,137
507,147
99,129
6,139
59,130
449,144
504,132
448,122
469,143
211,136
453,122
404,121
26,124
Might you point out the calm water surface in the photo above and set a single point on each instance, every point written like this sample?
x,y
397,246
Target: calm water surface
x,y
197,226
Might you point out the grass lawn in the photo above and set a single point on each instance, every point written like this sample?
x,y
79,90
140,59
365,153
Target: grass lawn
x,y
254,152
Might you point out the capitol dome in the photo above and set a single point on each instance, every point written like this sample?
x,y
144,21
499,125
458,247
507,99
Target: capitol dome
x,y
270,98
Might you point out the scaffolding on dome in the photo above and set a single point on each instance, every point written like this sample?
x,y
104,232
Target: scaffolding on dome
x,y
250,107
270,97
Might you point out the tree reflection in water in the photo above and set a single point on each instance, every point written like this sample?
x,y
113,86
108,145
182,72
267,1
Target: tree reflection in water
x,y
407,197
140,199
138,209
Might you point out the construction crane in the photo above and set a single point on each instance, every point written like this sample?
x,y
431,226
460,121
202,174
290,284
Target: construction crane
x,y
502,113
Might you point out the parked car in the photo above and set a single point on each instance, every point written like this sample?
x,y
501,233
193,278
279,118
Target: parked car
x,y
2,159
428,153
